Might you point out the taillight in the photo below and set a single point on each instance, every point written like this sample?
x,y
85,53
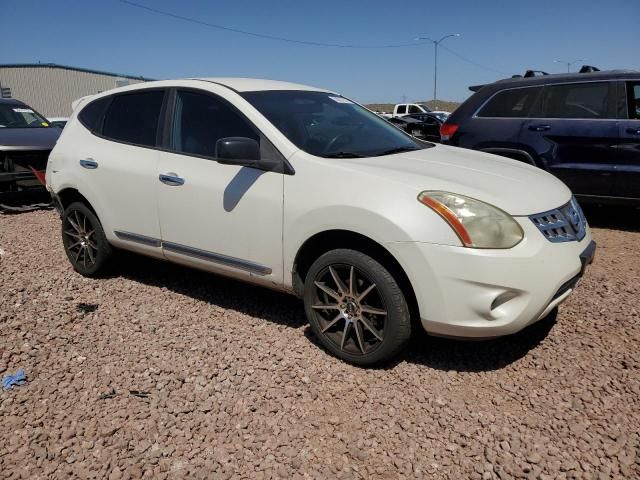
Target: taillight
x,y
447,130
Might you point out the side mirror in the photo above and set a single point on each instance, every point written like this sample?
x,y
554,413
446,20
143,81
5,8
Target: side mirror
x,y
238,151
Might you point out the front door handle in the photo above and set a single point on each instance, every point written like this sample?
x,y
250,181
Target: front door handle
x,y
171,179
89,163
633,131
539,128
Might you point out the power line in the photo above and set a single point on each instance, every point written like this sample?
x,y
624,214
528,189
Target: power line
x,y
261,35
298,41
479,65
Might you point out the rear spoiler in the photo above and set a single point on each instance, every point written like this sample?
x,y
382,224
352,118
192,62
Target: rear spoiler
x,y
76,103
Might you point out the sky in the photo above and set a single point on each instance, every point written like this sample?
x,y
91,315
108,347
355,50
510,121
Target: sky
x,y
497,39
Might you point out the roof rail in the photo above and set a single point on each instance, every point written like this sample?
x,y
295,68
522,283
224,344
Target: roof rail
x,y
588,69
534,73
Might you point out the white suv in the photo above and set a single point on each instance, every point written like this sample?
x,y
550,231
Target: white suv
x,y
302,190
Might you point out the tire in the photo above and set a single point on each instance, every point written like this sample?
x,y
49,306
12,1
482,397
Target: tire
x,y
84,241
367,320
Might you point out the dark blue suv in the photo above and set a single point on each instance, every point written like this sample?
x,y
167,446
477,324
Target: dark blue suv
x,y
582,127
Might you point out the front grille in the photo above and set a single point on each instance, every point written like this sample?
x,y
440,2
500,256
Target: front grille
x,y
564,224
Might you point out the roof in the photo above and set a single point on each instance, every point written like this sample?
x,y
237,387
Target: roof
x,y
12,101
237,85
258,84
560,78
75,69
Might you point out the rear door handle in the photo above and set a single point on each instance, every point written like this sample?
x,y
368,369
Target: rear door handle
x,y
171,179
633,131
89,163
539,128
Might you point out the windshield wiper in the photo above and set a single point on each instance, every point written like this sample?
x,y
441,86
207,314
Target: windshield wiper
x,y
398,150
342,155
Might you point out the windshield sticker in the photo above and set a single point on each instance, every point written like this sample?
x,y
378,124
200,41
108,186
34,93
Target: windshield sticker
x,y
340,100
44,124
23,110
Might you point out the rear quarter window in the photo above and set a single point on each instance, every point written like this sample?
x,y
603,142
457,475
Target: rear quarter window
x,y
513,103
91,115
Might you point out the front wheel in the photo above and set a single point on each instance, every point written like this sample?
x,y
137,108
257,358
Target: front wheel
x,y
356,308
84,240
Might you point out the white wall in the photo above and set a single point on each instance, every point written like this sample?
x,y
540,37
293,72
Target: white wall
x,y
50,90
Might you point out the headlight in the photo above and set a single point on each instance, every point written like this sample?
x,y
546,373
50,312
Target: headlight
x,y
478,224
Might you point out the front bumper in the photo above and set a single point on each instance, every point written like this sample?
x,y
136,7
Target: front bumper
x,y
465,292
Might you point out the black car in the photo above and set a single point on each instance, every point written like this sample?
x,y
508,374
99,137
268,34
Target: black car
x,y
425,126
26,138
439,117
582,127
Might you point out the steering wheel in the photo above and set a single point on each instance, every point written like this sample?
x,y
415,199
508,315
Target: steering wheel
x,y
332,145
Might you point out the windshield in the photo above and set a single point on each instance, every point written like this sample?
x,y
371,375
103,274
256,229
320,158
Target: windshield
x,y
16,115
329,125
424,107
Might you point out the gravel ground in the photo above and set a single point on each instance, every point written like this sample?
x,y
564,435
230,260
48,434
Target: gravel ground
x,y
163,372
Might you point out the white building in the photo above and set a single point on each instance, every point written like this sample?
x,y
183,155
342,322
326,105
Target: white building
x,y
50,88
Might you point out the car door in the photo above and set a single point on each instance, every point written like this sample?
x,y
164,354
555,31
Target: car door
x,y
117,166
575,135
628,169
223,218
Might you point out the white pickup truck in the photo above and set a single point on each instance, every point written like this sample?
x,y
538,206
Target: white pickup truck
x,y
402,109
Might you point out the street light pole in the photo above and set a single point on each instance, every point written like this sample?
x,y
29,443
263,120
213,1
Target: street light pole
x,y
435,75
568,63
436,43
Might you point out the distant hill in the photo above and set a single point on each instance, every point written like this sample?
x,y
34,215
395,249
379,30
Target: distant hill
x,y
437,105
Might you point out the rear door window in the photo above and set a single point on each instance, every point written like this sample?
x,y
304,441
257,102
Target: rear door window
x,y
201,120
513,103
134,117
633,92
578,100
402,109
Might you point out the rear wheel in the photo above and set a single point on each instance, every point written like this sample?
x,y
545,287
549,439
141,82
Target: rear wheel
x,y
356,308
84,240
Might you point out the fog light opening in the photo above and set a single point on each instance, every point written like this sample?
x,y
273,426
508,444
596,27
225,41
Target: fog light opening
x,y
503,298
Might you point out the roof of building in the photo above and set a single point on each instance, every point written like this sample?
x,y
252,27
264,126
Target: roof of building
x,y
75,69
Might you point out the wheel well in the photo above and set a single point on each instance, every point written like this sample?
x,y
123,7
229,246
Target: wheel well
x,y
325,241
71,195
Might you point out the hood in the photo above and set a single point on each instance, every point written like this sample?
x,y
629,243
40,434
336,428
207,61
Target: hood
x,y
515,187
29,138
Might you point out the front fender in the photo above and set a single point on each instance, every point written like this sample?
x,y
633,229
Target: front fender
x,y
376,226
